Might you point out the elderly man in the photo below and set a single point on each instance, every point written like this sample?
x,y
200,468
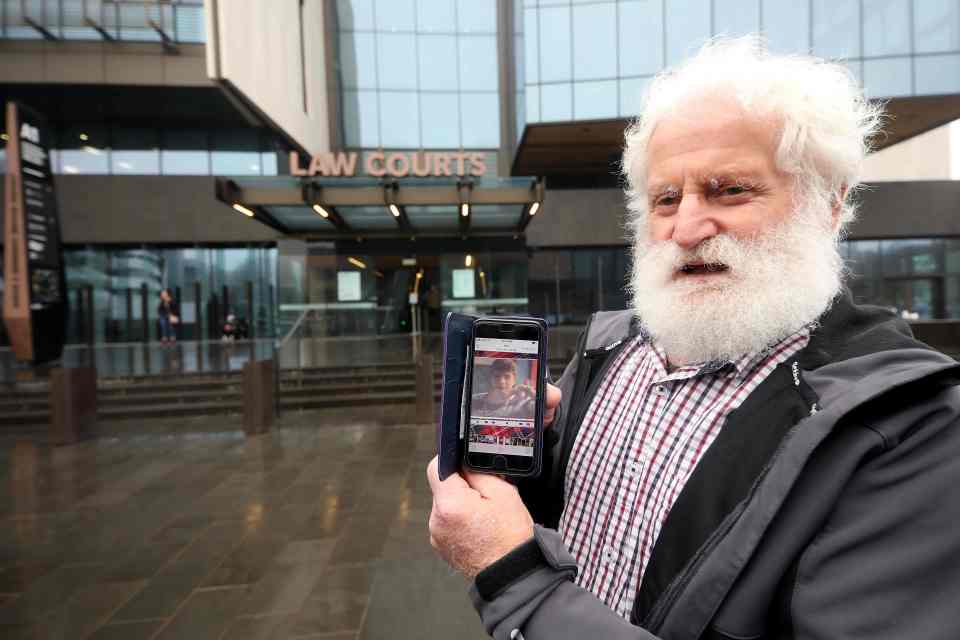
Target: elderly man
x,y
746,453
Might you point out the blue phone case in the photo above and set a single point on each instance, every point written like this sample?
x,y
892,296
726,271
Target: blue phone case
x,y
457,338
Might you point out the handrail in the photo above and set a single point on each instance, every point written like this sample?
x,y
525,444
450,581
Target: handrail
x,y
293,329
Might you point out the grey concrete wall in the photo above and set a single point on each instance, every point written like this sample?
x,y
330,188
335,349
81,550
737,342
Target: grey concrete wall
x,y
593,217
149,209
909,209
579,217
120,63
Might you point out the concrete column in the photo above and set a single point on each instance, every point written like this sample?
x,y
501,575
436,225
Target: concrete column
x,y
258,396
73,404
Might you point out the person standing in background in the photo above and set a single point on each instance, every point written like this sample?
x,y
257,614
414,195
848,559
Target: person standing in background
x,y
169,313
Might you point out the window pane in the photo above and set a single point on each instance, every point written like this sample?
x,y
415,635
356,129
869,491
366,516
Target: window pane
x,y
185,163
436,15
688,27
736,17
937,75
631,95
189,24
355,14
555,102
532,106
90,160
478,63
595,100
836,28
475,16
400,115
641,56
530,47
145,162
395,15
910,257
268,163
887,77
886,27
787,26
480,119
235,163
595,41
396,53
438,63
358,67
555,49
439,119
936,26
361,121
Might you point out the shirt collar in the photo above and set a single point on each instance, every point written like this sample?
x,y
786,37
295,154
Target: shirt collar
x,y
739,367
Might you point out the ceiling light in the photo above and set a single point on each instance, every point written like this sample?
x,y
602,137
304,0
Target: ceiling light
x,y
84,137
464,209
534,208
4,136
395,210
323,212
242,209
357,263
468,261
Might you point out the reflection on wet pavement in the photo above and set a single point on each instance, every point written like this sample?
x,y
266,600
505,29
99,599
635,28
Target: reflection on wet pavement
x,y
189,530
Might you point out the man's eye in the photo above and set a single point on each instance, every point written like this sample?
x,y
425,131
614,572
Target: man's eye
x,y
733,190
667,200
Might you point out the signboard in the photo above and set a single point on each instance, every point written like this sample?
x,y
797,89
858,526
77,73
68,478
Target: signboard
x,y
348,286
34,304
463,283
395,164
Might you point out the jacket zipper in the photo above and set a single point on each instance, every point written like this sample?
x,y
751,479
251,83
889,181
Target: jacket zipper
x,y
659,613
611,351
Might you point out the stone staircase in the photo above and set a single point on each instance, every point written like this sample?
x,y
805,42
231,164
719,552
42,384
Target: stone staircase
x,y
25,406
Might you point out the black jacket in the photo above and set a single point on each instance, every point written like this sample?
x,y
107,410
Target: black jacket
x,y
823,509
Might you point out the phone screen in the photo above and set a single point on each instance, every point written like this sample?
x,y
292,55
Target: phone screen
x,y
503,402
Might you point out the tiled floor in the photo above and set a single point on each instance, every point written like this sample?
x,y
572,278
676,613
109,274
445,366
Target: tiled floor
x,y
317,530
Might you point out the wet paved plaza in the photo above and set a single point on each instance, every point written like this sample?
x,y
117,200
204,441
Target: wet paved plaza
x,y
186,529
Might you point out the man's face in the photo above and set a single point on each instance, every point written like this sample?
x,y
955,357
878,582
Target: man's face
x,y
712,171
504,380
728,260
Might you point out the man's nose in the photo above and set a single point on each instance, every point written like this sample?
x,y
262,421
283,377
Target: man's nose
x,y
693,222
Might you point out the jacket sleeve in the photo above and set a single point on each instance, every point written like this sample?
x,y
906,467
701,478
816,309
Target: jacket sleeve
x,y
529,594
885,564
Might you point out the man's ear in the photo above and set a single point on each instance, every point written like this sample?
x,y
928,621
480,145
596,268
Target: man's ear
x,y
837,208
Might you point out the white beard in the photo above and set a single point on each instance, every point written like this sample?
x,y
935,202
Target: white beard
x,y
776,282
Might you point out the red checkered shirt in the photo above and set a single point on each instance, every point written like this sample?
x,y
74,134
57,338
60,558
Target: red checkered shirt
x,y
642,435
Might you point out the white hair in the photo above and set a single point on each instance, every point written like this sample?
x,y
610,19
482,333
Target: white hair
x,y
825,122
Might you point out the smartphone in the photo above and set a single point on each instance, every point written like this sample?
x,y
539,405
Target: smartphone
x,y
504,396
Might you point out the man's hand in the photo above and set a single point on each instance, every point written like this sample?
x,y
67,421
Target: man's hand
x,y
551,404
476,519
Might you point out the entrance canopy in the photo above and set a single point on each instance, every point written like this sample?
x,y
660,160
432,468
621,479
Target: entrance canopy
x,y
370,207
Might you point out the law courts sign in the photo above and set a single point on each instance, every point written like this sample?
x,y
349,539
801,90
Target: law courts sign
x,y
34,302
379,164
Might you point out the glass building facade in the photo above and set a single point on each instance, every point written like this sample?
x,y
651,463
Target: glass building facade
x,y
592,59
132,20
419,74
426,75
120,277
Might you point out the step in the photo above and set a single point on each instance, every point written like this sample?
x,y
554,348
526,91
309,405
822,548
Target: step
x,y
355,389
348,400
145,399
16,405
24,419
144,388
170,410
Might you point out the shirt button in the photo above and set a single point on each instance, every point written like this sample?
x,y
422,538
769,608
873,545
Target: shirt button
x,y
660,390
633,468
607,555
